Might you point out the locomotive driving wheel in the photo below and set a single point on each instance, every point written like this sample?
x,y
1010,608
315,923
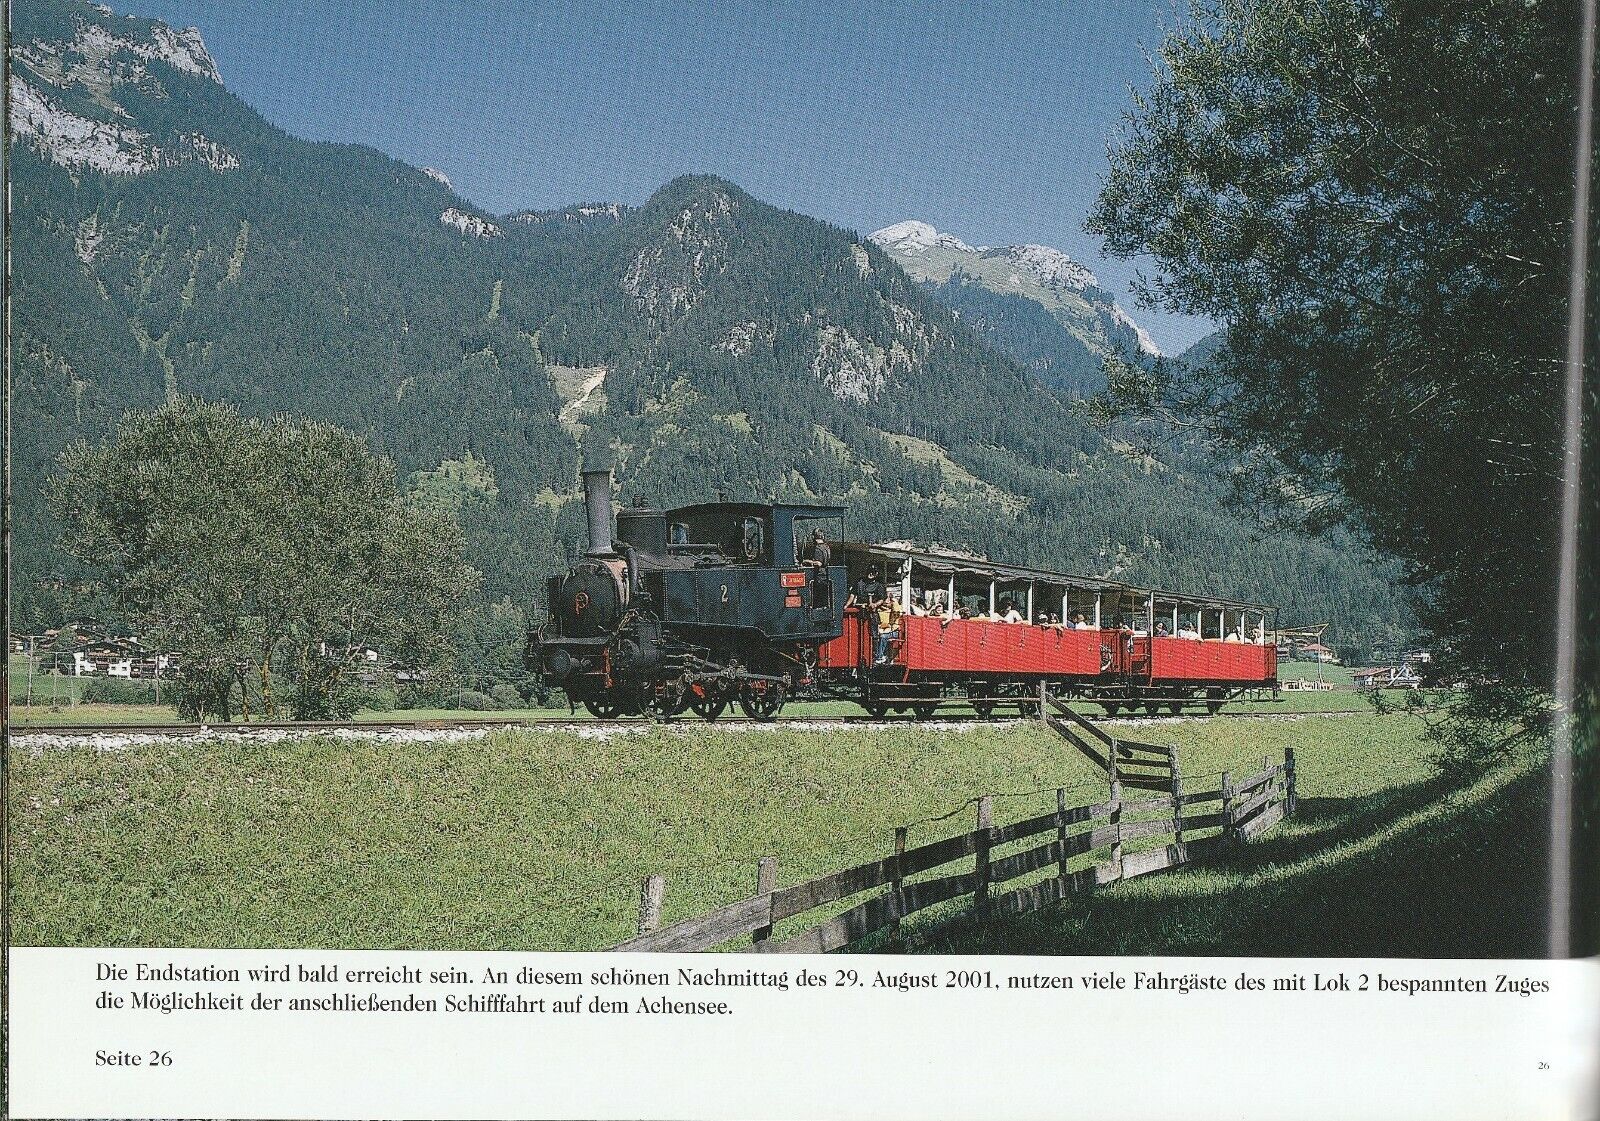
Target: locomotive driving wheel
x,y
761,700
603,708
706,701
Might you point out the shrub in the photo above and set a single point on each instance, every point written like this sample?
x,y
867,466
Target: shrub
x,y
475,701
117,691
534,691
379,699
506,696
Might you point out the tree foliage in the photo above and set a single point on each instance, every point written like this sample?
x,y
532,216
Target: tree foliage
x,y
1375,197
265,552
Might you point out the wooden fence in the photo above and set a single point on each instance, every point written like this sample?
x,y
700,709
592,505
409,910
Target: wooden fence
x,y
1239,809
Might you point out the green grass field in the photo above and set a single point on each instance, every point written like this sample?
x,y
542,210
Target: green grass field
x,y
1338,676
535,839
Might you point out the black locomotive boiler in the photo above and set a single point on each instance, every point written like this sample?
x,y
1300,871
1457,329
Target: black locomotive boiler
x,y
690,609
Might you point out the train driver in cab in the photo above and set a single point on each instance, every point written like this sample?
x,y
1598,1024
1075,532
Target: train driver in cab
x,y
816,553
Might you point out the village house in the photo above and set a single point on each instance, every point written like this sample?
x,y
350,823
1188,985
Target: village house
x,y
118,657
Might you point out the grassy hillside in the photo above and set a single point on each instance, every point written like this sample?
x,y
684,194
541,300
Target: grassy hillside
x,y
534,839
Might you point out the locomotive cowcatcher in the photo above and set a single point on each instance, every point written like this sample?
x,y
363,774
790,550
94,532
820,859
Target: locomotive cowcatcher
x,y
692,608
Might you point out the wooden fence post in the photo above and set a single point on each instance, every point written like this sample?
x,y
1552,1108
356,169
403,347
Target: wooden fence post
x,y
1116,826
1177,795
650,896
980,894
766,880
1228,833
1288,773
1061,832
897,882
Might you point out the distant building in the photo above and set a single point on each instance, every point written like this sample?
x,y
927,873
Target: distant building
x,y
118,657
1403,676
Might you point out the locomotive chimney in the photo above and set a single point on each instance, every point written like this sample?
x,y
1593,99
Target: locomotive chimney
x,y
597,502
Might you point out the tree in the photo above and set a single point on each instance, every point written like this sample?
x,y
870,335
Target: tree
x,y
1375,198
256,547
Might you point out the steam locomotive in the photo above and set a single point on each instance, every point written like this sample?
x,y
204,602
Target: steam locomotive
x,y
704,606
694,608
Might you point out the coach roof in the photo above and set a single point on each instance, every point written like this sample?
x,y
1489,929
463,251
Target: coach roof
x,y
949,563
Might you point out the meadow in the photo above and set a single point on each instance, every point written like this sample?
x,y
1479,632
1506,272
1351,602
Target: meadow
x,y
536,838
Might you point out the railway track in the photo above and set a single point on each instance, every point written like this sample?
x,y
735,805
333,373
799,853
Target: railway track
x,y
492,722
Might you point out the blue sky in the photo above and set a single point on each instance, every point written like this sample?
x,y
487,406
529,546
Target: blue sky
x,y
988,120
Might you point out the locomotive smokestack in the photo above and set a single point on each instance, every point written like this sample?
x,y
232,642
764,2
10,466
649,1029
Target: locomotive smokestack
x,y
597,502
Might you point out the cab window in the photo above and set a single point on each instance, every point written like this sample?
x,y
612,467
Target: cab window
x,y
753,539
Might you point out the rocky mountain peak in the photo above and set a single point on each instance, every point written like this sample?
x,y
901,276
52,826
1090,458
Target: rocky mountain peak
x,y
1050,267
71,64
1067,289
916,237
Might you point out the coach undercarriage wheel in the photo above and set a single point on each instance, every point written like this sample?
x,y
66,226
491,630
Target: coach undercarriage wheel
x,y
760,700
707,702
875,709
984,709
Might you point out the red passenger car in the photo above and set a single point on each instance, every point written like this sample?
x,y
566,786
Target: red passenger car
x,y
1118,645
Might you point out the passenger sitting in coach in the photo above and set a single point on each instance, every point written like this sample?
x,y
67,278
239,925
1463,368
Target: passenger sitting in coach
x,y
1186,631
1079,623
1161,630
1011,614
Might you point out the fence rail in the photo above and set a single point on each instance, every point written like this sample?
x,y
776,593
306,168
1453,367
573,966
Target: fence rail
x,y
1247,809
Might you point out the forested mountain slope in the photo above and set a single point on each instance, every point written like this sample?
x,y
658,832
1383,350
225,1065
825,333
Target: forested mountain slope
x,y
170,240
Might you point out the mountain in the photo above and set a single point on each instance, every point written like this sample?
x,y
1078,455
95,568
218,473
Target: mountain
x,y
167,239
1040,305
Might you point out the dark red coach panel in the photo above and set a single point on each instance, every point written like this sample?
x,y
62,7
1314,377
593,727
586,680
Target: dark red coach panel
x,y
980,646
1208,660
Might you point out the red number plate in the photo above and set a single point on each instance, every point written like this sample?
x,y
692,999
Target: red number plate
x,y
792,579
